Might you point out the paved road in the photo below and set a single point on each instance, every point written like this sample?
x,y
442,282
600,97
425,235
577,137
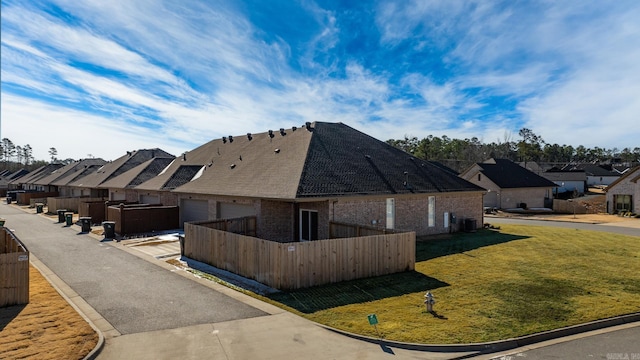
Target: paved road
x,y
132,294
614,228
618,345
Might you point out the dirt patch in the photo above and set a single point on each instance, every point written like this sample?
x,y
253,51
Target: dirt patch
x,y
46,328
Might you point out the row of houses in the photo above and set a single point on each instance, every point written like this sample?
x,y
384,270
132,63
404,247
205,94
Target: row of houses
x,y
294,181
297,180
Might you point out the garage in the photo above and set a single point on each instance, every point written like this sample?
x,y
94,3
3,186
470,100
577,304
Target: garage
x,y
233,210
194,210
149,199
118,196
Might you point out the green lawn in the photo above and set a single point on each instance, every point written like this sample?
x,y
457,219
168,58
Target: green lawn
x,y
490,285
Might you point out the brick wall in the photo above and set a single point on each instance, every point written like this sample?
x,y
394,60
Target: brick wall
x,y
625,187
276,221
411,211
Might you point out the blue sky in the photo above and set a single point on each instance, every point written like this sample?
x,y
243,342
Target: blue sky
x,y
103,77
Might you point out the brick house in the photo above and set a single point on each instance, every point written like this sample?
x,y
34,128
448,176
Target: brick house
x,y
510,185
624,193
297,180
91,184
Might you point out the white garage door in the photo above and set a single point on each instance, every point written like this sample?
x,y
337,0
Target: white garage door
x,y
149,199
232,210
194,210
118,196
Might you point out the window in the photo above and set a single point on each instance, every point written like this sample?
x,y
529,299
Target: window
x,y
622,202
432,211
391,213
308,225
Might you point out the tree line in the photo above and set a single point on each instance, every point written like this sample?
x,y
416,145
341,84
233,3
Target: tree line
x,y
14,156
459,154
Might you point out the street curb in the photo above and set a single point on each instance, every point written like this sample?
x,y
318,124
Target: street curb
x,y
500,345
44,271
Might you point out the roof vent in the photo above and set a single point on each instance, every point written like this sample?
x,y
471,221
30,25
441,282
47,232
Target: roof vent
x,y
271,133
277,151
308,125
294,128
184,157
249,136
224,139
282,132
240,157
368,156
129,153
230,138
232,166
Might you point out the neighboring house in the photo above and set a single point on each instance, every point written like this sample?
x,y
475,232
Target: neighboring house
x,y
91,184
68,173
572,181
121,187
624,193
510,185
7,176
28,181
295,181
597,175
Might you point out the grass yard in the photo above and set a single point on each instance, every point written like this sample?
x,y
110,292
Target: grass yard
x,y
490,285
46,328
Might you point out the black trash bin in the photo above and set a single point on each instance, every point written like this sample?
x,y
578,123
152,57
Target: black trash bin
x,y
181,238
39,207
109,229
85,221
8,199
68,216
61,215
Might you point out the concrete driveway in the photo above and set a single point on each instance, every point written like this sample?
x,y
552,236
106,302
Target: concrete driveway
x,y
133,295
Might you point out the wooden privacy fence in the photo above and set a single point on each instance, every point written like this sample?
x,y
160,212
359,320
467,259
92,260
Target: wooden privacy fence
x,y
297,265
343,230
14,270
242,226
25,197
142,218
68,203
571,207
97,209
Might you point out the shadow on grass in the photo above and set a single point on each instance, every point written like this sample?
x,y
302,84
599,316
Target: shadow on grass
x,y
356,291
427,248
7,314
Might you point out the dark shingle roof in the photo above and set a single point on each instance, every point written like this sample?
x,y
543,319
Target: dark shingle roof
x,y
75,168
344,161
119,166
323,160
507,174
592,169
37,174
183,175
